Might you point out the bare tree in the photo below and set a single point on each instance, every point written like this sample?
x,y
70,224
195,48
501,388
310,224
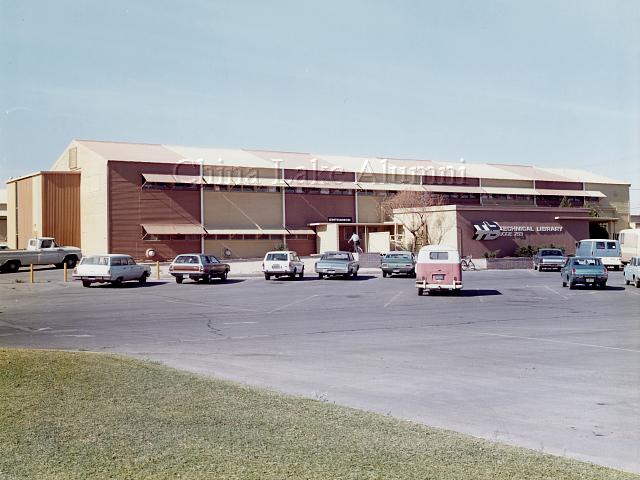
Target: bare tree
x,y
409,208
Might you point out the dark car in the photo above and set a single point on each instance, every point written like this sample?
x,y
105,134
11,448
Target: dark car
x,y
585,271
549,259
398,263
198,266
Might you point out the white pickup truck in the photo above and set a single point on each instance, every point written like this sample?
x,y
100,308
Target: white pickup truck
x,y
40,251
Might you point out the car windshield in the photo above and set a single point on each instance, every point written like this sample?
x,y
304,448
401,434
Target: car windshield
x,y
587,261
95,260
335,256
551,253
277,257
401,256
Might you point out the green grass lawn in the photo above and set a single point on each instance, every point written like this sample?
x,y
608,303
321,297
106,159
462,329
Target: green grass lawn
x,y
80,415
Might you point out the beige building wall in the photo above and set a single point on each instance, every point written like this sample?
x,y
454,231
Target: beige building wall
x,y
243,210
615,205
327,238
240,248
11,215
36,205
369,208
94,186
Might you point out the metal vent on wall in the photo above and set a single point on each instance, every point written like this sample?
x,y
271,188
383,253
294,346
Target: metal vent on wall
x,y
73,158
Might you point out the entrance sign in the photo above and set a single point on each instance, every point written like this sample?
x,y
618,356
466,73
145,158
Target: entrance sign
x,y
340,220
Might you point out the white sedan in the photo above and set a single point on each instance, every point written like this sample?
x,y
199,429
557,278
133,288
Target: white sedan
x,y
112,268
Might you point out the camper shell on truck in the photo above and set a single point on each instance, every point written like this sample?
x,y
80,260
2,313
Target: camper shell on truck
x,y
40,251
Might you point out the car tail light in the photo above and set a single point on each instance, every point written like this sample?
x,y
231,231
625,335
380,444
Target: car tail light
x,y
200,268
573,270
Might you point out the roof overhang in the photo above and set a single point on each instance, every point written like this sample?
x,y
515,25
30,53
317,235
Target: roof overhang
x,y
247,231
391,186
321,184
165,178
244,181
452,189
173,229
509,191
570,193
588,219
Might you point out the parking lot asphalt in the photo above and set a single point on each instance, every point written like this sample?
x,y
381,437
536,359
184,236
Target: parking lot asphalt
x,y
516,358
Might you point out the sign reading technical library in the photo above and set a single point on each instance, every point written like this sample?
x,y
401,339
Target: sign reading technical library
x,y
487,230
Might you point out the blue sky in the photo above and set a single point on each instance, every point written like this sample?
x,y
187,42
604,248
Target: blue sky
x,y
549,83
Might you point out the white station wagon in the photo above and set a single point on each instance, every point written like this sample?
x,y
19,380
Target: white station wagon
x,y
282,264
112,268
632,272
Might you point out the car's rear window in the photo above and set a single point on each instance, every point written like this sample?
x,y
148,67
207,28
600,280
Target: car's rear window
x,y
404,256
95,260
187,259
277,257
551,253
587,261
335,256
611,245
439,255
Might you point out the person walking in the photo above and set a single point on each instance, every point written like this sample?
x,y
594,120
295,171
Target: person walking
x,y
355,239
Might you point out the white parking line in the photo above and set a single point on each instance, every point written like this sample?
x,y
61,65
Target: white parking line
x,y
563,342
239,323
282,307
392,299
553,291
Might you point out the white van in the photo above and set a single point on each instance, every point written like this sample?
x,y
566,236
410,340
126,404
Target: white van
x,y
629,243
606,250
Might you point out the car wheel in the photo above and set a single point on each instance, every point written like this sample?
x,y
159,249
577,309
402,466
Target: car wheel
x,y
117,282
267,276
301,274
602,285
71,262
224,276
86,283
420,291
564,284
384,274
535,267
179,279
59,265
637,282
321,276
413,274
354,275
627,282
12,267
572,285
143,279
292,275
